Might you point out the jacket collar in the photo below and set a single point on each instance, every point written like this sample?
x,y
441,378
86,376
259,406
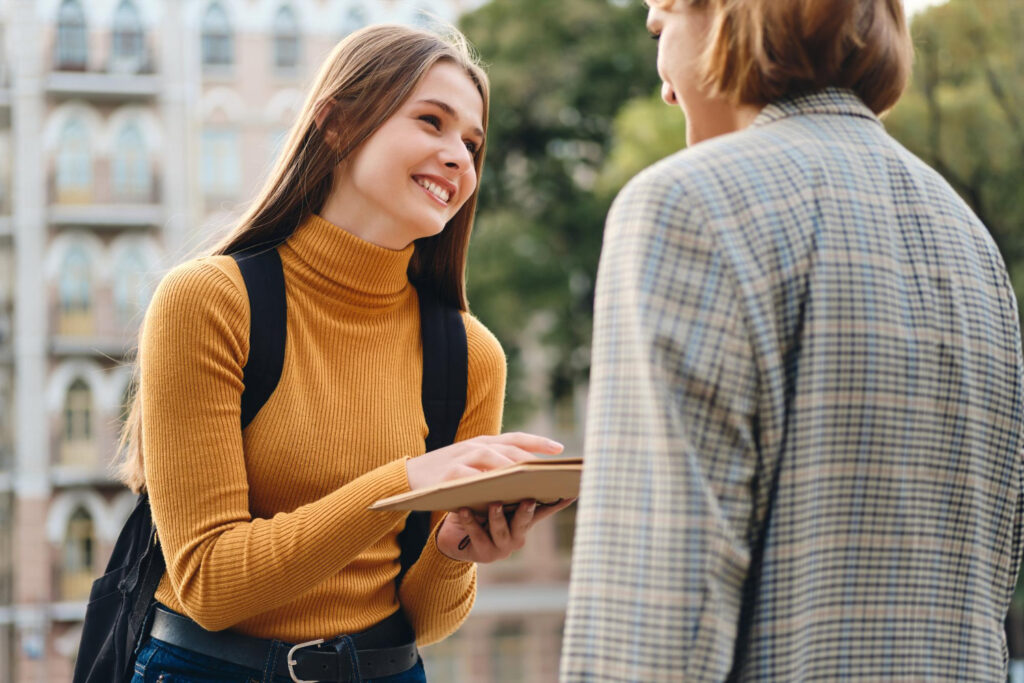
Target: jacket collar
x,y
832,101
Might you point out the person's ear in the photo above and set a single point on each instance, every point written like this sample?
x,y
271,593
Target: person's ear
x,y
323,122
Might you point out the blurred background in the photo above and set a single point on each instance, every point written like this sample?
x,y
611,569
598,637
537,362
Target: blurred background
x,y
132,132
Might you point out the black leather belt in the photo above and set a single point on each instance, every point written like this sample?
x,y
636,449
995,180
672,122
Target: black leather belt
x,y
314,661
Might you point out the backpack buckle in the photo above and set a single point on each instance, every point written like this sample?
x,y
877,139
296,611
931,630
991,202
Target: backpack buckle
x,y
292,662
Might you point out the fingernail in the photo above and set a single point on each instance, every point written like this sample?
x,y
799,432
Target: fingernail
x,y
464,515
555,444
532,507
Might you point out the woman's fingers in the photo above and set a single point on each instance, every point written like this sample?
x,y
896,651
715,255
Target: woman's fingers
x,y
498,526
480,541
514,453
481,453
545,511
527,442
495,534
522,521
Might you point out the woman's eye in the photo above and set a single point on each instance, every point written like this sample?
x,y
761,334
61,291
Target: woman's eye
x,y
472,147
655,36
432,120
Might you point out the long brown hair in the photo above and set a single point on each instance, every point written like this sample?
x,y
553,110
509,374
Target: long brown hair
x,y
363,82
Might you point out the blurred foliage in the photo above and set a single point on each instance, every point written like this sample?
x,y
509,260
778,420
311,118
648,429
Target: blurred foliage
x,y
645,130
964,112
560,72
573,118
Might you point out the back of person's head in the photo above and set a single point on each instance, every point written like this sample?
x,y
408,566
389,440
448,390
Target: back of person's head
x,y
762,50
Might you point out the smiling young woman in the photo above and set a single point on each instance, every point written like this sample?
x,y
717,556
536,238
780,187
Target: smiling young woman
x,y
265,530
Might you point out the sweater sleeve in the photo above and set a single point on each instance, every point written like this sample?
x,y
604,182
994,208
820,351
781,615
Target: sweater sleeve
x,y
438,592
222,564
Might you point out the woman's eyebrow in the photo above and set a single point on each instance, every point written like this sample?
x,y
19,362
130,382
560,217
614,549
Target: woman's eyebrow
x,y
447,109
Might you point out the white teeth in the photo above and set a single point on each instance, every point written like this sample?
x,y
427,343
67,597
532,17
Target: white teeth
x,y
434,189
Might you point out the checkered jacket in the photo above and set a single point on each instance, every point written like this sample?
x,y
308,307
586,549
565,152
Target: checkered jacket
x,y
803,446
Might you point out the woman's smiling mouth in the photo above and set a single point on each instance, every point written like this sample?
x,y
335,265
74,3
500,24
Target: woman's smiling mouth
x,y
435,190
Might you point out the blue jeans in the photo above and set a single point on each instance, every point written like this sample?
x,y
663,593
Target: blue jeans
x,y
160,662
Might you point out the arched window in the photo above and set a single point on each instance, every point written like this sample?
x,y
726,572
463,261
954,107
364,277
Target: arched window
x,y
129,51
131,295
74,163
77,557
72,44
75,293
77,444
355,19
221,172
131,170
286,39
218,43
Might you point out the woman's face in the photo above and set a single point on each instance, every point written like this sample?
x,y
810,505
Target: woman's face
x,y
683,32
409,178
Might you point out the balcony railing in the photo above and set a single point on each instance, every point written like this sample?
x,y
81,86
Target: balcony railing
x,y
110,347
76,476
93,85
98,216
103,205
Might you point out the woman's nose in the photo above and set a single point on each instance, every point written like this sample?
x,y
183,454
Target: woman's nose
x,y
457,157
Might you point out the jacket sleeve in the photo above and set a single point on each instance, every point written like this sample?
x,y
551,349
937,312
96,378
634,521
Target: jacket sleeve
x,y
661,552
438,592
224,565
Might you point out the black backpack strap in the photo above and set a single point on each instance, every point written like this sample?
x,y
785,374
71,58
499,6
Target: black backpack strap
x,y
445,372
445,369
264,280
268,327
113,629
147,574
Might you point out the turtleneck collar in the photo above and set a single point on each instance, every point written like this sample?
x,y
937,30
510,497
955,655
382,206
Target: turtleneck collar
x,y
351,268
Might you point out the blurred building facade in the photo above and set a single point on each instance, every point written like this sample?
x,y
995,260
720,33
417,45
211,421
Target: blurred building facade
x,y
131,131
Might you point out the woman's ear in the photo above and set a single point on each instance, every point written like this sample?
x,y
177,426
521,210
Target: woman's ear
x,y
324,109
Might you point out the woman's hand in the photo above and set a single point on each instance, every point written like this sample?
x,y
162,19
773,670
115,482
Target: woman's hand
x,y
499,539
473,456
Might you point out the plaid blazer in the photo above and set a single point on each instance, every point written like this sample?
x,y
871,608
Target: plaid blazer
x,y
803,445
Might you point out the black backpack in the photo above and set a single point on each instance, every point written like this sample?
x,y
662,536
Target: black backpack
x,y
120,600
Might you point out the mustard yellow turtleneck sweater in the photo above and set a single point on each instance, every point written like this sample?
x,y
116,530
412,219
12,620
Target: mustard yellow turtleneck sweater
x,y
266,531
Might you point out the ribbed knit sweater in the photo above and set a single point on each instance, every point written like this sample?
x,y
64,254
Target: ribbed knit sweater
x,y
267,531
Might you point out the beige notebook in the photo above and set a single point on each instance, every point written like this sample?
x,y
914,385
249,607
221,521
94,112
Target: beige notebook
x,y
546,480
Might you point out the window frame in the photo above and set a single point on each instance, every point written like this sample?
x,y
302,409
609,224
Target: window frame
x,y
72,42
217,39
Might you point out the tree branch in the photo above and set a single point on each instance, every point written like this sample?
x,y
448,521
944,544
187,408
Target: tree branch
x,y
1004,102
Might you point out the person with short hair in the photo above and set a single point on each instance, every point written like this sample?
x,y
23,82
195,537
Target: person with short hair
x,y
803,455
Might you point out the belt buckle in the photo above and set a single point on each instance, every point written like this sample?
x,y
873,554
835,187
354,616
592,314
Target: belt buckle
x,y
292,662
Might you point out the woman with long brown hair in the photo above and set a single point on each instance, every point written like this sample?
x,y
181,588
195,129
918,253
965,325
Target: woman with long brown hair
x,y
266,534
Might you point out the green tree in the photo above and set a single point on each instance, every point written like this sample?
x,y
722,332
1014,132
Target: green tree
x,y
645,130
964,112
559,73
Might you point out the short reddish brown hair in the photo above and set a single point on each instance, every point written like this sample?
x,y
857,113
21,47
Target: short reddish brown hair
x,y
762,50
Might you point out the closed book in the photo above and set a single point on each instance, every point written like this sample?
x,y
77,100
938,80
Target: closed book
x,y
546,480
